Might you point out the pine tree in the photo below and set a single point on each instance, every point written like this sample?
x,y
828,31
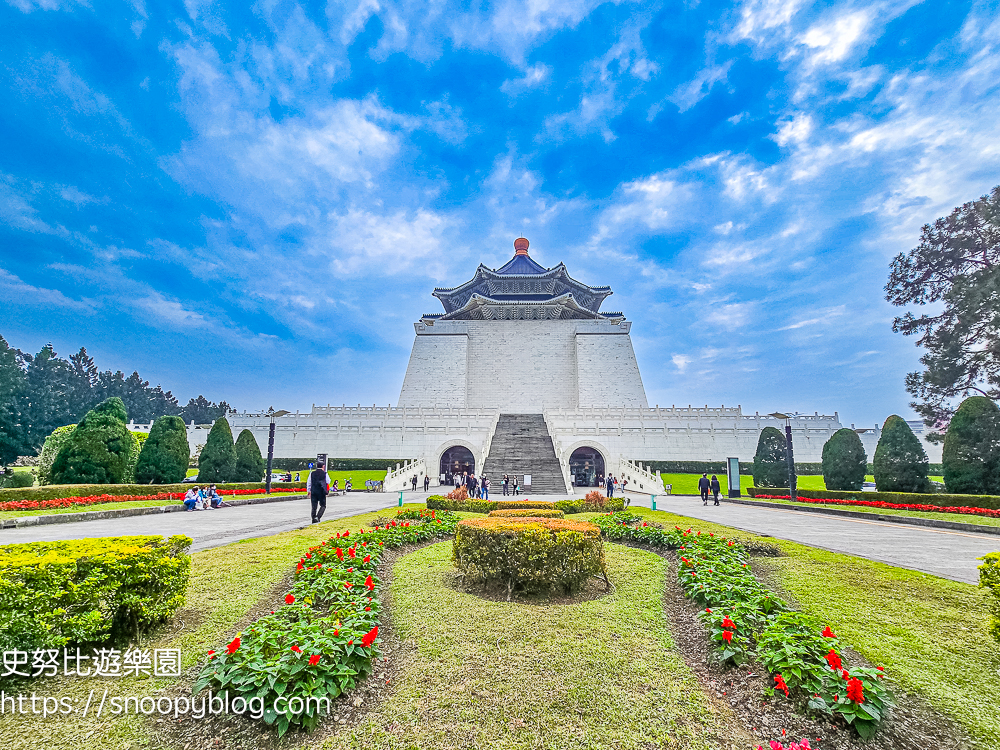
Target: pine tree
x,y
217,462
164,457
770,463
13,385
844,461
900,461
971,455
250,464
98,450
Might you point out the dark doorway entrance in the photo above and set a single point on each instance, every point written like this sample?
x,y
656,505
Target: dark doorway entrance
x,y
455,461
586,465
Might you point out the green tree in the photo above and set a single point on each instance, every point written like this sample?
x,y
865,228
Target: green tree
x,y
202,411
98,450
53,444
971,455
13,385
217,462
164,457
770,463
250,464
133,456
900,462
956,269
844,461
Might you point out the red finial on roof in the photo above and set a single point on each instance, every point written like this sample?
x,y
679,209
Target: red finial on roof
x,y
520,246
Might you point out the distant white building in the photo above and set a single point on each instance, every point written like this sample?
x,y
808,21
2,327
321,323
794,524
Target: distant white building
x,y
523,374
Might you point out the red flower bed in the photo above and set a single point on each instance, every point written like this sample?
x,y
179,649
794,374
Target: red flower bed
x,y
66,502
891,506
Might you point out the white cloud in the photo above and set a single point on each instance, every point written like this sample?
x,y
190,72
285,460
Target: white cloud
x,y
688,94
534,76
15,291
833,40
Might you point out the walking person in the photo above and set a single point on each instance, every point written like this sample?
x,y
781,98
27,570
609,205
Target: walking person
x,y
506,485
716,488
703,487
427,482
413,481
610,487
486,488
316,489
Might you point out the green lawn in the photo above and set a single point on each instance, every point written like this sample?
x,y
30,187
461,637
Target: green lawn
x,y
687,484
929,633
592,674
357,477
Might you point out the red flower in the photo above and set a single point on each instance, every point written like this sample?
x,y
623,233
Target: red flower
x,y
296,649
351,552
289,599
299,566
347,534
211,654
833,660
233,645
855,691
340,553
779,682
314,660
336,633
369,638
369,583
727,623
727,635
350,570
348,584
368,558
827,633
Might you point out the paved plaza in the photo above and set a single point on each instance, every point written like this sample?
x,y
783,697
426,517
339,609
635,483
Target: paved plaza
x,y
941,552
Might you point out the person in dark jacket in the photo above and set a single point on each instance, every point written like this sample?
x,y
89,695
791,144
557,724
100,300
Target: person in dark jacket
x,y
610,486
427,482
703,487
716,488
316,488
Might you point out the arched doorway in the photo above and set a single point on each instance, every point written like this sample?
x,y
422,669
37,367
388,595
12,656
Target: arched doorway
x,y
586,465
456,461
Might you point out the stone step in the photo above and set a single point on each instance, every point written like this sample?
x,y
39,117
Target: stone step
x,y
522,445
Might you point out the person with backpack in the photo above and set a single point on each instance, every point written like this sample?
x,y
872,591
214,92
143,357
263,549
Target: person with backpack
x,y
703,487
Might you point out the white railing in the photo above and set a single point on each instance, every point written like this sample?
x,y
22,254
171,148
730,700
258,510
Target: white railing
x,y
560,456
640,478
489,442
400,478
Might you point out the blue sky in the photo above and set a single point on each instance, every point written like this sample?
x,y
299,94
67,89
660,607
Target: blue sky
x,y
254,203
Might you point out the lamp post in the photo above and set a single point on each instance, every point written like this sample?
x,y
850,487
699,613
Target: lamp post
x,y
270,446
792,490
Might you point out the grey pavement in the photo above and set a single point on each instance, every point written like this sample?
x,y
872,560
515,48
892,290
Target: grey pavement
x,y
211,528
941,552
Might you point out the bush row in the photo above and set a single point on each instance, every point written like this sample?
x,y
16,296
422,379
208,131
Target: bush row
x,y
746,468
989,578
537,513
336,464
744,618
439,502
323,641
937,499
54,594
57,491
528,554
986,512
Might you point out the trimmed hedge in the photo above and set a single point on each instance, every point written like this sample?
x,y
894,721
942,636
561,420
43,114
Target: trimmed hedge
x,y
53,594
528,554
439,502
989,578
944,500
541,513
54,491
336,464
605,505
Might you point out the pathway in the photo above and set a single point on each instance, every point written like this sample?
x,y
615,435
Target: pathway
x,y
941,552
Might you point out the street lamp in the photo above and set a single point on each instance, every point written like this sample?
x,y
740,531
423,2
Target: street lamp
x,y
792,490
270,445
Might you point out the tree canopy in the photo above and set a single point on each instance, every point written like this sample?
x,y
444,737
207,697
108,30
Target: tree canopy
x,y
217,462
98,450
770,463
164,456
971,455
41,392
956,269
900,462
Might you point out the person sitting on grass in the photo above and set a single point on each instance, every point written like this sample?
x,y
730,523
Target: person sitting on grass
x,y
347,485
335,488
191,499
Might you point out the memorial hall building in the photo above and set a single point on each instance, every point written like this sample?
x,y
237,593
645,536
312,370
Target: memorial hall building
x,y
524,374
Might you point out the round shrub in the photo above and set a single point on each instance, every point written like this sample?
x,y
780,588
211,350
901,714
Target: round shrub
x,y
529,513
528,554
98,450
770,463
971,455
900,463
164,456
844,461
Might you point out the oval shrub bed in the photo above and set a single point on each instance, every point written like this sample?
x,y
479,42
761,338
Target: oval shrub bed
x,y
528,554
514,513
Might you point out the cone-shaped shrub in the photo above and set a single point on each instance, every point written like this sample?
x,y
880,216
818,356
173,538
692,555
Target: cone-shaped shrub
x,y
971,455
164,456
98,450
53,444
217,462
844,461
250,463
900,462
770,463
